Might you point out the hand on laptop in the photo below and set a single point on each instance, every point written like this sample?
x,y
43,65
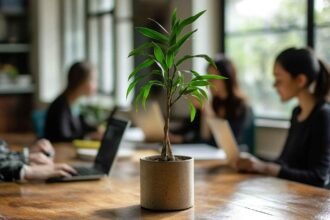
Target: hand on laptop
x,y
43,172
39,159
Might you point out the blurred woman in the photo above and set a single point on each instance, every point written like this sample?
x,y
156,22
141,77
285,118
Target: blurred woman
x,y
227,102
64,121
306,154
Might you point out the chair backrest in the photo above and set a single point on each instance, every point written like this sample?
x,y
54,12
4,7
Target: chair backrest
x,y
38,120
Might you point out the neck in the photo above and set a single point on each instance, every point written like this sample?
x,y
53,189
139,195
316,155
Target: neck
x,y
306,102
72,96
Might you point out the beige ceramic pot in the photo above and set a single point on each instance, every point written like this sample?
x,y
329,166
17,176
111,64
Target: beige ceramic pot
x,y
167,185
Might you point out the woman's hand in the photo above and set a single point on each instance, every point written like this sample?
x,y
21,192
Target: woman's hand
x,y
39,159
43,172
44,146
248,163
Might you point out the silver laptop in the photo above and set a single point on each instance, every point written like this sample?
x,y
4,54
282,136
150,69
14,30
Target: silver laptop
x,y
106,155
151,121
226,150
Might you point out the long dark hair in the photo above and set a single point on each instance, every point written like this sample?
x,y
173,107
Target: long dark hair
x,y
298,61
234,104
79,72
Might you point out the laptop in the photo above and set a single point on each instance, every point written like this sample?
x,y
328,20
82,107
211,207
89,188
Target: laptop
x,y
226,147
151,121
105,157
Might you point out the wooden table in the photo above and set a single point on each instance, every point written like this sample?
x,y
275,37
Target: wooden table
x,y
219,194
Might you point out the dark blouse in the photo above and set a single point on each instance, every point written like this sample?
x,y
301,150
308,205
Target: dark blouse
x,y
306,154
61,125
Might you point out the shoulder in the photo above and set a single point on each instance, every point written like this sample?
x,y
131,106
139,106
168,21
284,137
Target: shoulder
x,y
323,112
60,103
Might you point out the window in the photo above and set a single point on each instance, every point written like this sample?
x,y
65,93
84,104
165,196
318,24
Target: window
x,y
255,31
101,42
322,28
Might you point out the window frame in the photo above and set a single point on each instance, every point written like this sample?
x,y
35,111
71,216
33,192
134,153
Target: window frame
x,y
99,15
310,34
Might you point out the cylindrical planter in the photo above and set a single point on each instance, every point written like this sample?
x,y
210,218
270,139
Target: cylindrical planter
x,y
167,185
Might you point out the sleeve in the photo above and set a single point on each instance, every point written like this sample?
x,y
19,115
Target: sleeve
x,y
10,166
318,170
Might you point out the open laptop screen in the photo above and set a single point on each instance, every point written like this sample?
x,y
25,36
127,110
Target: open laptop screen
x,y
110,144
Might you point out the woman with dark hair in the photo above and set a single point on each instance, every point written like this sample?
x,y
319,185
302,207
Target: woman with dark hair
x,y
306,154
227,102
63,119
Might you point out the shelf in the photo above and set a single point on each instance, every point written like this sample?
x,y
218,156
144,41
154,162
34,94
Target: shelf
x,y
14,48
16,89
14,13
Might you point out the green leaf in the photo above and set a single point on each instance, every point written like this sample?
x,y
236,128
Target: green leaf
x,y
190,20
152,34
207,58
212,76
199,97
197,75
159,25
173,18
180,42
130,88
158,53
140,49
132,84
203,93
179,80
144,64
192,111
146,91
200,83
169,60
174,33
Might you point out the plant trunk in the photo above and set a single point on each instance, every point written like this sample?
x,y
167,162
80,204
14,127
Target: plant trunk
x,y
167,154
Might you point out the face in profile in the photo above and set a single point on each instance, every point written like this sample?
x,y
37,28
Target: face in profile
x,y
218,87
286,86
89,87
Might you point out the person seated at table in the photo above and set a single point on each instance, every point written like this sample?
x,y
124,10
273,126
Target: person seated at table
x,y
306,154
227,102
64,122
33,165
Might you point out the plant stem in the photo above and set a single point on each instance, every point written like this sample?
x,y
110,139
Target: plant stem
x,y
167,154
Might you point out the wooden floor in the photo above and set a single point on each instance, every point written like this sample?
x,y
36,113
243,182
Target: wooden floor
x,y
220,193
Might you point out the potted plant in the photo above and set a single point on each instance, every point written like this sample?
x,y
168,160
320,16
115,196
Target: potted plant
x,y
167,180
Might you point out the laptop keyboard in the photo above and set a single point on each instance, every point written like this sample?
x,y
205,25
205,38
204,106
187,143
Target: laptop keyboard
x,y
85,171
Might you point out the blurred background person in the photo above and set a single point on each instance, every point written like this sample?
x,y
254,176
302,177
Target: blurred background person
x,y
306,154
227,101
63,119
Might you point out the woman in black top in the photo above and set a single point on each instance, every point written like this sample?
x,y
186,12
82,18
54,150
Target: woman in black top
x,y
306,154
227,102
63,119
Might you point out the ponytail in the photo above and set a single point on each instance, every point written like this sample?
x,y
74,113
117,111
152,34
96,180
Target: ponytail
x,y
322,87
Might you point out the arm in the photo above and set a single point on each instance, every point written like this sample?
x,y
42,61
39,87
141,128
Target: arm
x,y
10,166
